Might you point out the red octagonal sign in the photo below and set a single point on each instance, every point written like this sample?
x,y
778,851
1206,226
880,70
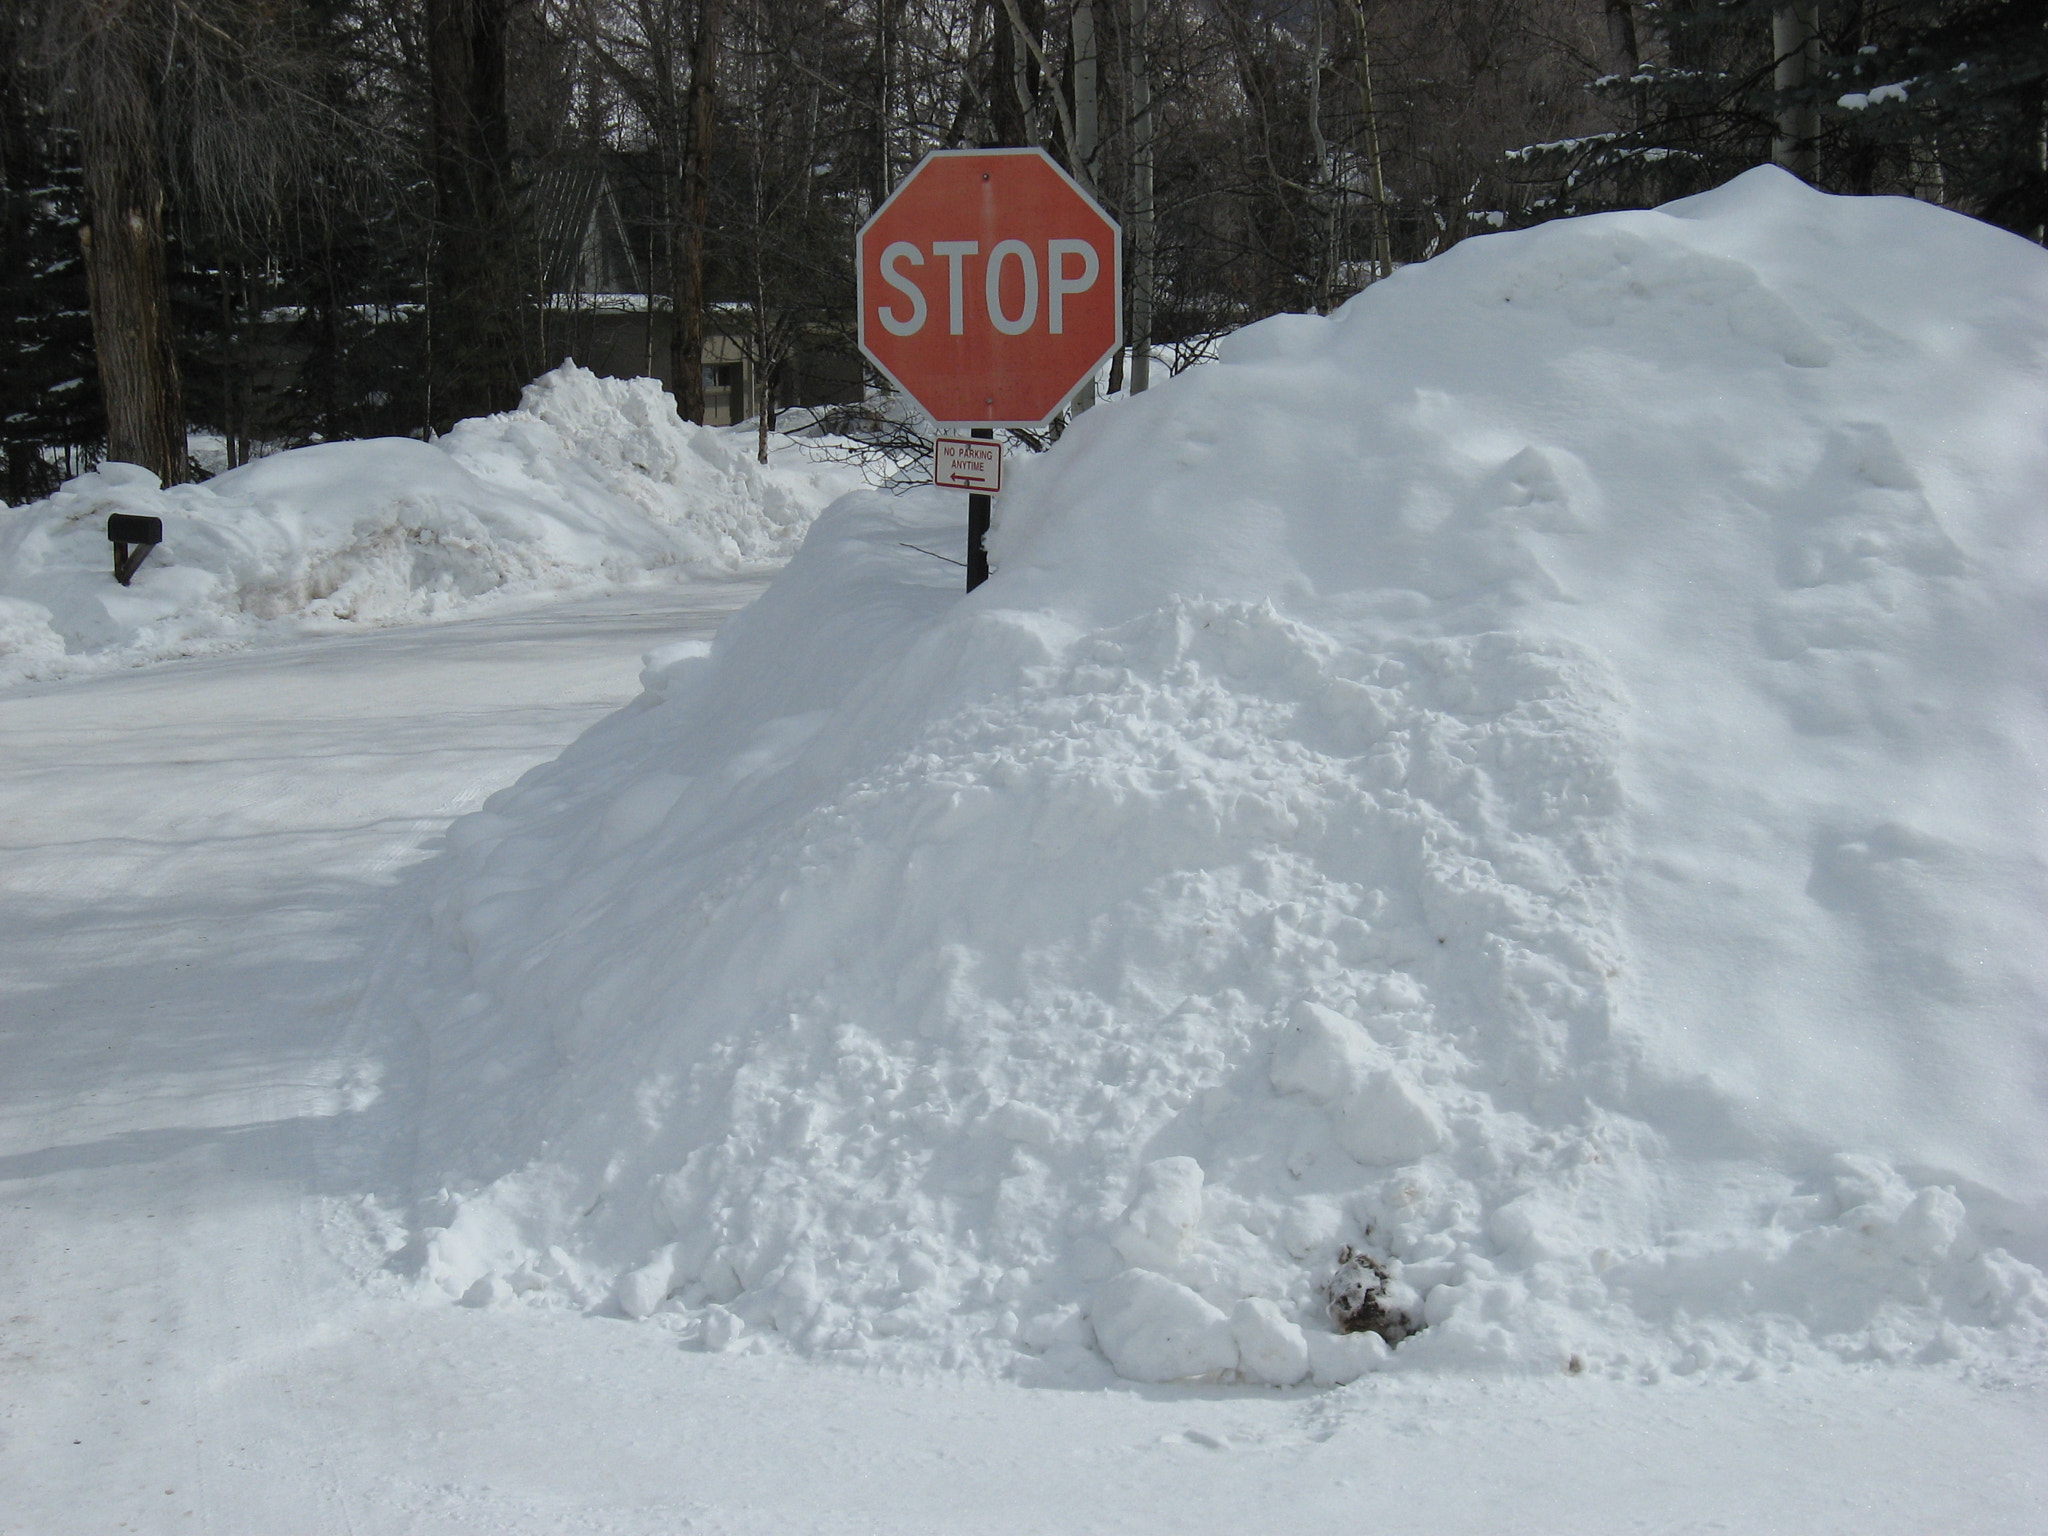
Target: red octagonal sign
x,y
989,287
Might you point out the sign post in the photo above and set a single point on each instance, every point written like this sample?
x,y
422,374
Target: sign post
x,y
979,509
990,290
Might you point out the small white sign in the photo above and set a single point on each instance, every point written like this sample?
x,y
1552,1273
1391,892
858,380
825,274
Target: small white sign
x,y
968,464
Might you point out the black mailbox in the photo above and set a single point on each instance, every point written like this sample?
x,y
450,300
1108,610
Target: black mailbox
x,y
126,528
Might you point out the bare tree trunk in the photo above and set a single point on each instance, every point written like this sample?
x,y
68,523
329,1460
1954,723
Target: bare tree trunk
x,y
686,339
1323,183
1795,41
647,305
128,283
1087,129
1138,64
1087,93
1621,35
1382,246
231,369
1013,90
764,392
888,19
475,279
1625,46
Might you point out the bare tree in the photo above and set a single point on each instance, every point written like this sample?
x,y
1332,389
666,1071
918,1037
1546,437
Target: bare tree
x,y
474,288
781,214
662,58
208,99
1795,43
687,282
1138,71
127,275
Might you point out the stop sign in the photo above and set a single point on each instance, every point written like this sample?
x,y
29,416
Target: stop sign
x,y
990,287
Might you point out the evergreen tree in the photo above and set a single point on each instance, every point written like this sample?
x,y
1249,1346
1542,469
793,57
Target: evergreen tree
x,y
50,417
1941,99
1951,102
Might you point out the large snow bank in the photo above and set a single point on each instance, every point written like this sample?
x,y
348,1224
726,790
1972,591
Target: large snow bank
x,y
591,481
1537,776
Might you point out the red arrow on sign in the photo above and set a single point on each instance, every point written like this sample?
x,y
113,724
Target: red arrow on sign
x,y
990,287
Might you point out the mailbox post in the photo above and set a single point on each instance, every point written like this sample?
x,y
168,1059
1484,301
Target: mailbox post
x,y
125,529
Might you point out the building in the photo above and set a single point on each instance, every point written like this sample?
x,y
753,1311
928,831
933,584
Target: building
x,y
598,250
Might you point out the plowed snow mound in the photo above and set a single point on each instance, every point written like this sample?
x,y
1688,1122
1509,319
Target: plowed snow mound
x,y
591,481
1535,777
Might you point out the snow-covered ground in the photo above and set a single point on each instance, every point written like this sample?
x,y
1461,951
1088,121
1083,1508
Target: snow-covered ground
x,y
198,860
590,483
1518,804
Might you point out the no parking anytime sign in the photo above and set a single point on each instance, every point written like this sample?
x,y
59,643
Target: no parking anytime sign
x,y
968,464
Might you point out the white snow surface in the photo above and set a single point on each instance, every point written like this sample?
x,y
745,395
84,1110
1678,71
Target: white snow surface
x,y
591,482
199,861
1537,775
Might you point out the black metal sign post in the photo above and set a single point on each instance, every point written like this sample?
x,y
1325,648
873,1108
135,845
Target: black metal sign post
x,y
977,528
126,528
974,465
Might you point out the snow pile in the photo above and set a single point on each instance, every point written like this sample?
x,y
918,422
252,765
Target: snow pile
x,y
1535,779
591,481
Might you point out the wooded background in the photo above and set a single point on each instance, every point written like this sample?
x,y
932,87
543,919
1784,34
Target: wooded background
x,y
281,221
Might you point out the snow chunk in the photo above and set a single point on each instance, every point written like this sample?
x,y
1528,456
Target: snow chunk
x,y
1162,1217
1152,1329
1323,1054
1389,1120
1269,1347
1381,1115
642,1290
1035,1127
1338,1359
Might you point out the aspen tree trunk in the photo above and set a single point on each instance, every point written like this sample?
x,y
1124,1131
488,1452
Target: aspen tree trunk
x,y
686,341
1087,113
1326,264
764,413
1382,246
1795,42
888,20
1117,374
1087,94
128,287
1137,61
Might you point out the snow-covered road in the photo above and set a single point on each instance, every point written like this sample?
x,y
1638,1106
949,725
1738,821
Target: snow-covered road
x,y
195,864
